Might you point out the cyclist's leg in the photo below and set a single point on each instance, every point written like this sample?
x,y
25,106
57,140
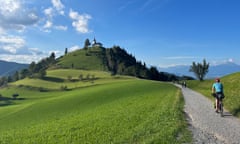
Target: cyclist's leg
x,y
217,104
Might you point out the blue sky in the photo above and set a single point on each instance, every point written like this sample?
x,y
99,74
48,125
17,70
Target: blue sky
x,y
158,32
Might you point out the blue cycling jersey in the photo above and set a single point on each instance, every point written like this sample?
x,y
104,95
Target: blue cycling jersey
x,y
218,87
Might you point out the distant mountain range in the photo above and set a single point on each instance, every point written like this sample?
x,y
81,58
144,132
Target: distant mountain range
x,y
8,68
214,70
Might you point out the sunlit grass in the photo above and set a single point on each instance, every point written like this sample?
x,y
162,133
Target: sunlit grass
x,y
132,111
231,91
69,78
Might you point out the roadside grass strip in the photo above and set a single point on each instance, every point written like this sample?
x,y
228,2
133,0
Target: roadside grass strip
x,y
231,91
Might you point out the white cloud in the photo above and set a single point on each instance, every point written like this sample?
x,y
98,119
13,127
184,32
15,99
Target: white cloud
x,y
223,61
15,16
22,58
64,28
180,57
80,21
32,54
2,31
57,4
168,65
11,43
10,6
230,60
35,51
48,25
73,15
49,12
73,48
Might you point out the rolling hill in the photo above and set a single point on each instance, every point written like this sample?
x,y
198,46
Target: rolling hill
x,y
115,60
106,109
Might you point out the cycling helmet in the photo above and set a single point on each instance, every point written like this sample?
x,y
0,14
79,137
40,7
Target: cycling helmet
x,y
217,80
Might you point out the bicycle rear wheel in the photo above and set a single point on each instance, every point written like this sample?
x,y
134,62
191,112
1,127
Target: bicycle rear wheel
x,y
221,109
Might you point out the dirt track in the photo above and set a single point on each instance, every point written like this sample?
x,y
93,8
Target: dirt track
x,y
206,125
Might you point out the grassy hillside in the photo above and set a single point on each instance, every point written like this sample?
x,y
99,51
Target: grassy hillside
x,y
115,60
231,90
69,78
89,59
110,110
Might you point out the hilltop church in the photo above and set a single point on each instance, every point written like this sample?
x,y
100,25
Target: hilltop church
x,y
96,44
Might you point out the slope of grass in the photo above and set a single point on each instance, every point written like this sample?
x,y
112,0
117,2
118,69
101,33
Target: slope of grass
x,y
90,59
231,91
124,111
69,78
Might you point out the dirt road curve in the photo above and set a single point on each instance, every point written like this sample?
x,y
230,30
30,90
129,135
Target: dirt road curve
x,y
206,125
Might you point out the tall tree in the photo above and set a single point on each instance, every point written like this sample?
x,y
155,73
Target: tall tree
x,y
66,51
154,73
32,66
24,73
51,60
16,76
86,43
199,69
52,56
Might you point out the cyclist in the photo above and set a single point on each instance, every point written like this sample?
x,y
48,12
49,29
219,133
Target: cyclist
x,y
217,92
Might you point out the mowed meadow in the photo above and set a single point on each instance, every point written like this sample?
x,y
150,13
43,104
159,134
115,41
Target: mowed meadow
x,y
98,108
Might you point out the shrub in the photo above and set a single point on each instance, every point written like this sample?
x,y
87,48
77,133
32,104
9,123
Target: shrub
x,y
63,88
15,95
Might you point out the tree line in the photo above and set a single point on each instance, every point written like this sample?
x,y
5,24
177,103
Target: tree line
x,y
35,70
118,61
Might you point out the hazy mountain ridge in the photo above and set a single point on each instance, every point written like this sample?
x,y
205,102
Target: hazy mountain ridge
x,y
214,70
8,68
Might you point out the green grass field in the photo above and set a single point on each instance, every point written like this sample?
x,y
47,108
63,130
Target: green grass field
x,y
231,91
110,110
90,59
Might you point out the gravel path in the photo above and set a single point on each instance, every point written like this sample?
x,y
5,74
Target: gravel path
x,y
206,125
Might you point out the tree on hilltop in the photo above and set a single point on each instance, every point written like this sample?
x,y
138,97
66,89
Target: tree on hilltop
x,y
66,51
86,43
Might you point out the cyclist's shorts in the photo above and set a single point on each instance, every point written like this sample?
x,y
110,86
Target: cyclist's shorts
x,y
219,95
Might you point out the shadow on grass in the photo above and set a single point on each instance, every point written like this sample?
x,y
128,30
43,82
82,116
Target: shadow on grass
x,y
53,79
5,101
236,112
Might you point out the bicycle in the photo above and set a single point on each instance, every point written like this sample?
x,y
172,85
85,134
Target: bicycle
x,y
219,97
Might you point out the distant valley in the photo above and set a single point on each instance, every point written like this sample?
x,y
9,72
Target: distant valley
x,y
214,70
8,68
